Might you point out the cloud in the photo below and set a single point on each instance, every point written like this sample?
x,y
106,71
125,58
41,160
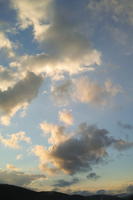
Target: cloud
x,y
125,125
119,11
32,13
93,176
6,44
123,145
66,117
84,90
19,178
130,189
76,152
82,193
66,47
57,133
101,192
62,93
19,157
13,140
12,167
7,78
19,96
63,183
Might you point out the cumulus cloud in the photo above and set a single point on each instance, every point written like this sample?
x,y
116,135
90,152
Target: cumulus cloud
x,y
7,78
13,140
18,96
93,176
63,183
66,117
125,125
67,47
57,133
78,151
18,178
32,13
84,90
6,44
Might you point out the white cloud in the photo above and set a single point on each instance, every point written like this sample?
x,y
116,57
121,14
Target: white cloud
x,y
32,13
6,44
67,48
57,133
84,90
7,78
11,167
66,117
19,157
13,140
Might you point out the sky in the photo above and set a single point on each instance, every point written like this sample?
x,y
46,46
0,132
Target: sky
x,y
66,95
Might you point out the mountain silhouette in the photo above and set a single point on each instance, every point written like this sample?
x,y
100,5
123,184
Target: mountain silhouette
x,y
11,192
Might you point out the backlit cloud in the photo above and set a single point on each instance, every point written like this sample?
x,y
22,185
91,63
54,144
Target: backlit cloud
x,y
12,167
66,117
18,96
85,90
59,34
13,140
6,44
18,177
79,151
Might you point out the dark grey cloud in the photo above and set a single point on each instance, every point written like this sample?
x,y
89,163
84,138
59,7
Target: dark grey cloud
x,y
130,189
125,125
121,145
82,192
101,191
78,152
63,183
21,94
81,151
23,91
93,176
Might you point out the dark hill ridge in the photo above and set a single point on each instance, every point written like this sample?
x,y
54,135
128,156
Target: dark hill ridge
x,y
18,193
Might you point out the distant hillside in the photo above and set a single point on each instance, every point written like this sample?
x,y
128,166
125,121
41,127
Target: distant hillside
x,y
18,193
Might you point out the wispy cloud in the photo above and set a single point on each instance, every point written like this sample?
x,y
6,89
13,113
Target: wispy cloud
x,y
85,90
63,183
92,176
125,125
